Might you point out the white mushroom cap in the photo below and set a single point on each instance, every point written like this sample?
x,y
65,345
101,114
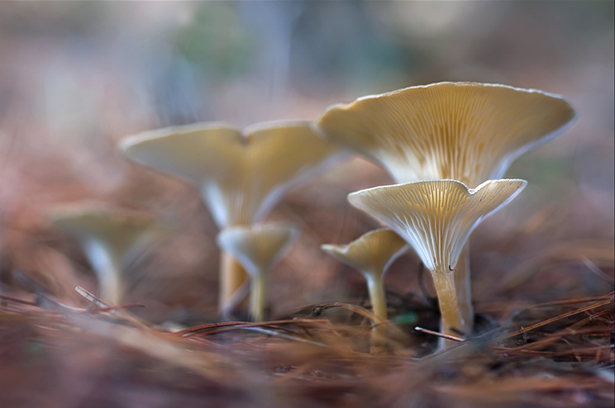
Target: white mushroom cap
x,y
463,131
240,177
125,233
258,247
372,252
436,217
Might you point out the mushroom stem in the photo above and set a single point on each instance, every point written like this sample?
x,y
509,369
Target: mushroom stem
x,y
453,321
232,276
258,296
463,284
108,272
377,295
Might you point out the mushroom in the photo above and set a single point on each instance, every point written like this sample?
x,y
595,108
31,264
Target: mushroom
x,y
371,254
112,241
258,248
436,219
240,176
463,131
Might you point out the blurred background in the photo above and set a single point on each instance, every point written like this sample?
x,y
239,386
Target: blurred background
x,y
76,77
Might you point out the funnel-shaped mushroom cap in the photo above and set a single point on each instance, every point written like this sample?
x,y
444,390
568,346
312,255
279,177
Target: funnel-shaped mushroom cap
x,y
461,131
436,217
257,247
371,252
125,234
240,177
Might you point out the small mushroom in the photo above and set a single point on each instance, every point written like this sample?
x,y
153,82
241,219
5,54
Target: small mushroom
x,y
371,254
112,241
463,131
241,175
258,248
436,219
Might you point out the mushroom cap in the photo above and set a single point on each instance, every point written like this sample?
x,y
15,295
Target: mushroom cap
x,y
240,176
372,252
463,131
125,233
436,217
258,247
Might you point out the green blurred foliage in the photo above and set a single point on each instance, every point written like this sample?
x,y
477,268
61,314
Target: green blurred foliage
x,y
346,47
217,41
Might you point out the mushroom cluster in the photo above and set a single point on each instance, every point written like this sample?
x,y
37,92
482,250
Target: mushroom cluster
x,y
436,219
446,146
443,140
240,175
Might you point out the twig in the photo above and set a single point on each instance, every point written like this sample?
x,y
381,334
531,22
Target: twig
x,y
434,333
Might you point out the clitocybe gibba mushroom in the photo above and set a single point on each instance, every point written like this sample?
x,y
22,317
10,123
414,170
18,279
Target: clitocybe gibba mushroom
x,y
463,131
241,175
436,219
258,248
371,254
112,241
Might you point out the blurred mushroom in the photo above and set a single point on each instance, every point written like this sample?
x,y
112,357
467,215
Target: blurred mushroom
x,y
371,254
241,176
463,131
258,248
112,240
436,219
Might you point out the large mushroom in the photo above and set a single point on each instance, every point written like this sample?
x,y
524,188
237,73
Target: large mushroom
x,y
463,131
436,219
258,248
240,175
113,240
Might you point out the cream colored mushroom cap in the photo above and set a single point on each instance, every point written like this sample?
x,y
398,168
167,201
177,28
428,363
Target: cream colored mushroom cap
x,y
436,217
464,131
240,177
373,251
125,232
258,247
